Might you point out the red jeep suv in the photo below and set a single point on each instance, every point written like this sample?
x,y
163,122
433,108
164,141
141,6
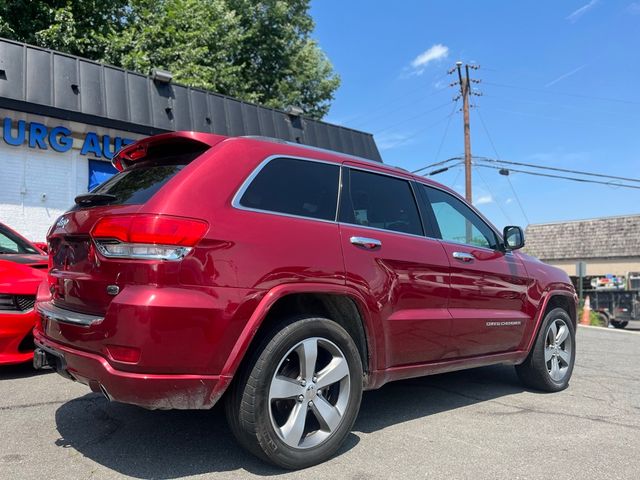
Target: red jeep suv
x,y
288,279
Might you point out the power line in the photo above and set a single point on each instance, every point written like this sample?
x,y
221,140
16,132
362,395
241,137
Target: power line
x,y
428,127
455,179
566,94
557,169
486,131
486,184
446,129
394,102
437,164
548,175
579,107
421,114
515,194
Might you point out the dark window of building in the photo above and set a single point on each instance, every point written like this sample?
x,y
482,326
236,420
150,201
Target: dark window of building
x,y
100,172
457,222
381,201
295,187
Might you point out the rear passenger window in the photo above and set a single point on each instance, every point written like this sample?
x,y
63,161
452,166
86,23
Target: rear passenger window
x,y
295,187
381,201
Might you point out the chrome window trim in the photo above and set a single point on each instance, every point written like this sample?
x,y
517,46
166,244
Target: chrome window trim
x,y
348,156
340,179
235,202
393,232
406,176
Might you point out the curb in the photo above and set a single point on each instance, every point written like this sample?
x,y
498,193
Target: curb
x,y
614,330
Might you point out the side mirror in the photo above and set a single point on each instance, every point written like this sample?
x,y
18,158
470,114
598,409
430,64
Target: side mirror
x,y
513,238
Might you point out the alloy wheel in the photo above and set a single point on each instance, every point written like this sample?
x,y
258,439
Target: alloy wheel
x,y
309,393
558,349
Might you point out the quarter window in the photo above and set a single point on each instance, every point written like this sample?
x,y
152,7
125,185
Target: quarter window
x,y
295,187
382,202
457,222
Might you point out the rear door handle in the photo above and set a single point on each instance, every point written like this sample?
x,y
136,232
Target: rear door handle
x,y
463,256
368,243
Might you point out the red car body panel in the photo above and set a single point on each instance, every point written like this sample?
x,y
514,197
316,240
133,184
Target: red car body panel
x,y
192,321
16,326
20,275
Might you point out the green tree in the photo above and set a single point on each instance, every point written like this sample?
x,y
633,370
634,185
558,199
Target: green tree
x,y
259,51
79,27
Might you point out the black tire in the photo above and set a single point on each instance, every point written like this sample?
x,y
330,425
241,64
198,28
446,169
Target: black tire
x,y
247,405
534,371
619,324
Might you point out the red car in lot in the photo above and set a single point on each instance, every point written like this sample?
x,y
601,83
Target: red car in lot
x,y
22,269
288,279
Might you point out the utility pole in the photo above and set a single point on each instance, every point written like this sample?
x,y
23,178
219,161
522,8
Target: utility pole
x,y
465,91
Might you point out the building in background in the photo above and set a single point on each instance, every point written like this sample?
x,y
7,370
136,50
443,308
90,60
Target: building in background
x,y
63,118
608,245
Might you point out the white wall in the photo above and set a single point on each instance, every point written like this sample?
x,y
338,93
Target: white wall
x,y
37,186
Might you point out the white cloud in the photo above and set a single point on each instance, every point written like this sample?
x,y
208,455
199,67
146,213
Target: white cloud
x,y
387,141
483,199
440,84
573,17
435,53
508,200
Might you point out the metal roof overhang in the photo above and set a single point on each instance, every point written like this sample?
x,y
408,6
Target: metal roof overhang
x,y
54,84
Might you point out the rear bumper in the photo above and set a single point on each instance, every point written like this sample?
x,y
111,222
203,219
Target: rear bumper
x,y
153,391
14,328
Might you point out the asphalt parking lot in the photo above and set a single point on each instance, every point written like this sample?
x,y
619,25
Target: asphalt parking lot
x,y
475,424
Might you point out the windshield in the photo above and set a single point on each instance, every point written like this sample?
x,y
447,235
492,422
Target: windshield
x,y
12,243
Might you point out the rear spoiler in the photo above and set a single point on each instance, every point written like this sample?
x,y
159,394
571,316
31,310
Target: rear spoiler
x,y
138,151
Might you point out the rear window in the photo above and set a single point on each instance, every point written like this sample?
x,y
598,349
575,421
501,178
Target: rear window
x,y
139,184
295,187
140,181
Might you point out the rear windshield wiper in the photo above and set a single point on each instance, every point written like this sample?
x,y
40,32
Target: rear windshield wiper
x,y
87,199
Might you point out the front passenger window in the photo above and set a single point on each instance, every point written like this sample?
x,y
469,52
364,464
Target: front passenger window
x,y
457,222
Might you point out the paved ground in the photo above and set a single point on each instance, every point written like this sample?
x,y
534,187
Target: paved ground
x,y
475,424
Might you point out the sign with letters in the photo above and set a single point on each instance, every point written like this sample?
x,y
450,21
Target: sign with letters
x,y
59,139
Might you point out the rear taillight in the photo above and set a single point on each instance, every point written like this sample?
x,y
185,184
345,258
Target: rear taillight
x,y
154,237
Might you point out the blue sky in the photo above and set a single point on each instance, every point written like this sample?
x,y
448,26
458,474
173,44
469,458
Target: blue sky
x,y
393,59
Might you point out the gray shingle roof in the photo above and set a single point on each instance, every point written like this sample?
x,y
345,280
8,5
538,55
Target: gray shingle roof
x,y
606,237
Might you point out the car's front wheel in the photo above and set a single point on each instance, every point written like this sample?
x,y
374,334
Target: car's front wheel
x,y
298,395
550,363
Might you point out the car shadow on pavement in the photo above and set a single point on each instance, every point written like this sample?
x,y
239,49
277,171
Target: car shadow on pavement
x,y
22,370
171,444
398,402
